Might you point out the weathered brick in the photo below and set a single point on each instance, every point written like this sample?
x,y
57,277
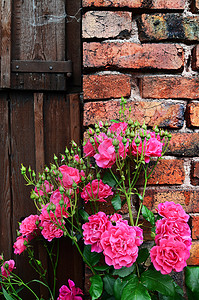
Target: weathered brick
x,y
168,171
184,144
189,199
163,114
169,87
195,5
192,114
104,86
195,227
150,4
194,254
195,58
168,27
195,172
106,24
133,56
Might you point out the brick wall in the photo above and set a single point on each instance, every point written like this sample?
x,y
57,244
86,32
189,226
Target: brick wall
x,y
146,51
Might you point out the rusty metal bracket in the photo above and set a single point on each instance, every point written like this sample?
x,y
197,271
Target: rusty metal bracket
x,y
38,66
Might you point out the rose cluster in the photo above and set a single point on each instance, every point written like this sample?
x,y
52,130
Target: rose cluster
x,y
122,139
114,237
173,239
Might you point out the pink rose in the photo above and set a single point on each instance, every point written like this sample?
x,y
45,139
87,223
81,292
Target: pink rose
x,y
19,246
123,150
96,191
55,199
169,255
118,127
89,149
28,225
139,235
119,245
173,211
45,188
71,293
106,156
70,175
93,230
7,267
77,158
177,228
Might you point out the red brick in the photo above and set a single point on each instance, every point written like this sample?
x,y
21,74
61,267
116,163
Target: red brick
x,y
193,114
195,227
163,114
106,86
133,56
195,173
168,27
154,4
168,171
184,144
194,254
169,87
195,58
105,24
189,199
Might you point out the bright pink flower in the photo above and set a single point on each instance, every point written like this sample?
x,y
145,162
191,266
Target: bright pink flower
x,y
45,188
89,149
123,150
177,228
28,225
106,156
115,218
55,198
139,235
70,175
119,245
173,211
170,255
7,267
96,191
93,230
77,158
71,293
19,246
118,127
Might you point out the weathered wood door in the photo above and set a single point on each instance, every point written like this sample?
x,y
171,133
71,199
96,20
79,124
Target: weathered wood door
x,y
39,105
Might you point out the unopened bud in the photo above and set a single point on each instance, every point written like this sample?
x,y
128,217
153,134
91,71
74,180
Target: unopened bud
x,y
137,141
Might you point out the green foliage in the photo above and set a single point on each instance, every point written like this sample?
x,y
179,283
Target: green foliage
x,y
91,257
109,179
123,272
148,215
96,287
192,282
134,290
143,254
116,202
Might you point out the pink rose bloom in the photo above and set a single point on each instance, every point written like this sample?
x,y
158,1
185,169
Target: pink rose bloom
x,y
71,293
55,198
178,229
173,211
19,246
123,150
93,230
44,189
77,158
118,127
28,225
106,156
96,191
117,218
70,175
169,256
7,267
119,245
139,235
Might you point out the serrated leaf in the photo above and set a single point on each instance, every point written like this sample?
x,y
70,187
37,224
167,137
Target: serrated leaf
x,y
84,215
134,290
109,179
118,288
143,254
96,287
148,215
91,257
116,202
108,284
155,281
124,271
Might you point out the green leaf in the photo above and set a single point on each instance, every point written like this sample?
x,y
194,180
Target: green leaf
x,y
109,179
115,121
116,202
148,215
96,287
108,284
118,288
155,281
134,290
102,268
6,295
143,254
91,257
192,280
124,271
84,215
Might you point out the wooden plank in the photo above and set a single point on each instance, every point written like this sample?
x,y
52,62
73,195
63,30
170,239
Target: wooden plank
x,y
5,43
75,125
6,240
39,131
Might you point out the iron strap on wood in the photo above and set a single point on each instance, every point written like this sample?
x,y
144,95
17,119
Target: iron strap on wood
x,y
38,66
